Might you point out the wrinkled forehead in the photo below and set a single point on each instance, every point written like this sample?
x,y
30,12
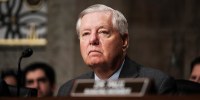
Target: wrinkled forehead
x,y
96,9
107,13
97,14
96,19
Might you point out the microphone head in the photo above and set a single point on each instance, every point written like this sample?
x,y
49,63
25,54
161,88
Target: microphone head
x,y
27,52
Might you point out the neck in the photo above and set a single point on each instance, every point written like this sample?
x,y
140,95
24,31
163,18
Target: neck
x,y
104,72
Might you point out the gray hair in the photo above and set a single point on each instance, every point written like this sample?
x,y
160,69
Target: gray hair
x,y
118,20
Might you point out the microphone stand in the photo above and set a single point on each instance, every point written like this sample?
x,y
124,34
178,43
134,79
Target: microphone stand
x,y
26,53
19,76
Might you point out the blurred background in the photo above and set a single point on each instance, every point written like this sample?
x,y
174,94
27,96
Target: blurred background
x,y
164,34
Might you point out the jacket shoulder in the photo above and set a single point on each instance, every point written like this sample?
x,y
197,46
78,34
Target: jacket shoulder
x,y
162,83
66,88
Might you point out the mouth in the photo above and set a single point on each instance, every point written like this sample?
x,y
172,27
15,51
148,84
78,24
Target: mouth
x,y
94,51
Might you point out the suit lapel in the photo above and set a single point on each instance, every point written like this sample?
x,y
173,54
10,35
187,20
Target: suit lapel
x,y
130,69
88,75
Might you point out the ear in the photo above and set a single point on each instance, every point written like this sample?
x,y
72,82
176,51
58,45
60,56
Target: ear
x,y
125,39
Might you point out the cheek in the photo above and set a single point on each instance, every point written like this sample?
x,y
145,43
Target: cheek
x,y
112,47
44,86
83,49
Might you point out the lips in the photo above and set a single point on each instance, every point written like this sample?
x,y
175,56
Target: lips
x,y
94,51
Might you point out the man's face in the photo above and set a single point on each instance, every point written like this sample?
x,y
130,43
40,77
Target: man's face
x,y
100,43
195,75
37,79
11,80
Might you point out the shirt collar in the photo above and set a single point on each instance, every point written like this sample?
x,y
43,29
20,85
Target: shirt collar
x,y
115,76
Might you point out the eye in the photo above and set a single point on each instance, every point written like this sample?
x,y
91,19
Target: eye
x,y
42,79
104,32
28,82
85,33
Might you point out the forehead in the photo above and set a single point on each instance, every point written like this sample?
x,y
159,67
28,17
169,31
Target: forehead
x,y
96,18
196,69
35,73
109,13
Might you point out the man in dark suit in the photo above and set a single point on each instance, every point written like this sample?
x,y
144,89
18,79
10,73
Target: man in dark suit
x,y
40,76
104,39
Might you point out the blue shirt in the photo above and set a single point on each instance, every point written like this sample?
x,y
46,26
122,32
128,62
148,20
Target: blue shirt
x,y
115,76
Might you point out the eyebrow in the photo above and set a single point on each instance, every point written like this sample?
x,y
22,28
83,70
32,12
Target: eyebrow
x,y
40,78
105,27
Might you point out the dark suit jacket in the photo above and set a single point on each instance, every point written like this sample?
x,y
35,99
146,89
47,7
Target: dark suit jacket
x,y
163,84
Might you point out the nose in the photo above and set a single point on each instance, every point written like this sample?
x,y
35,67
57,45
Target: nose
x,y
94,39
36,85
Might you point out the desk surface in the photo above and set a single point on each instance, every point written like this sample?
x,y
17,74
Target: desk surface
x,y
188,97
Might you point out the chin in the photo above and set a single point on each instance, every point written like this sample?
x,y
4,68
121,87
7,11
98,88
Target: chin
x,y
95,63
95,60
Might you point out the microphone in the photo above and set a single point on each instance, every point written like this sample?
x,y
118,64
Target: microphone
x,y
26,53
